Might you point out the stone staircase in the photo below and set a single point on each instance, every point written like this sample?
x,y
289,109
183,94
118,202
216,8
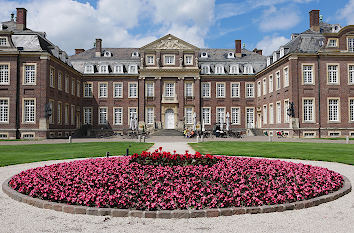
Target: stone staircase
x,y
256,132
167,132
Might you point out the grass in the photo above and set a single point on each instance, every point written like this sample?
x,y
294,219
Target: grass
x,y
332,152
16,154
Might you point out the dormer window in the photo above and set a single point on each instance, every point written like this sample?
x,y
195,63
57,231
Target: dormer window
x,y
89,69
133,69
107,54
135,54
350,44
3,41
282,51
230,55
103,69
332,43
118,69
268,61
248,69
234,69
274,56
219,69
205,69
204,55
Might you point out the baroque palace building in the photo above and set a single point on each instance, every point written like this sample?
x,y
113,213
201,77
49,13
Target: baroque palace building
x,y
306,88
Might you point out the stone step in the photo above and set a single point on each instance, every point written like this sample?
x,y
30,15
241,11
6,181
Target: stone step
x,y
167,132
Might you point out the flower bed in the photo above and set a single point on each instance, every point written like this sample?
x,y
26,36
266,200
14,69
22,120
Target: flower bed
x,y
121,182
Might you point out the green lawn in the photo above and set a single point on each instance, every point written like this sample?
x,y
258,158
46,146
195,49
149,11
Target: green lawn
x,y
332,152
16,154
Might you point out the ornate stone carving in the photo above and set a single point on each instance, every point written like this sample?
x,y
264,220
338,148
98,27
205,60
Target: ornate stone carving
x,y
169,43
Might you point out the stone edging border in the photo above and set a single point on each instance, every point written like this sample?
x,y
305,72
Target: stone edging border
x,y
167,214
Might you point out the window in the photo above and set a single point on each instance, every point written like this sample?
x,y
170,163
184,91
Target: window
x,y
271,114
150,60
333,110
28,135
308,105
220,115
150,116
133,69
87,116
281,52
73,86
350,44
87,89
351,110
4,136
219,69
234,69
265,114
277,77
78,89
189,115
189,89
51,77
332,43
249,90
29,113
286,107
350,74
103,90
4,110
89,69
205,69
278,110
264,86
220,90
4,74
118,69
118,116
307,74
133,90
102,120
72,113
259,92
235,116
286,76
60,81
332,74
275,56
3,41
150,89
206,115
30,75
51,105
235,90
250,118
118,90
188,59
205,89
66,84
169,59
132,114
169,90
59,113
248,69
66,114
271,85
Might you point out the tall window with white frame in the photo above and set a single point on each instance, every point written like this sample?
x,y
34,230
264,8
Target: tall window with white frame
x,y
271,114
286,76
60,81
206,115
307,73
51,118
169,90
59,113
278,112
264,86
51,77
4,74
72,114
66,114
351,110
29,111
87,116
103,90
189,116
30,74
220,115
351,44
73,86
205,90
271,84
308,110
235,115
118,116
259,92
235,90
277,76
150,60
351,74
286,107
149,89
87,89
150,116
332,74
220,90
103,115
133,90
249,90
4,110
333,110
188,60
66,84
118,90
78,89
169,59
133,113
265,115
189,89
250,118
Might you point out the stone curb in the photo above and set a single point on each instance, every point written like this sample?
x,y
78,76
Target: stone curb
x,y
175,214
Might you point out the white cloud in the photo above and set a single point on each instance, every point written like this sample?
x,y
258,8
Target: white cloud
x,y
278,19
271,43
71,24
347,12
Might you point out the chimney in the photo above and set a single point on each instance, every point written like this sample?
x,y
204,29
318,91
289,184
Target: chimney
x,y
259,51
77,51
21,19
98,47
315,20
238,52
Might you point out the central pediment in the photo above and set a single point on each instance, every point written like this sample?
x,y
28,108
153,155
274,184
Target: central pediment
x,y
169,42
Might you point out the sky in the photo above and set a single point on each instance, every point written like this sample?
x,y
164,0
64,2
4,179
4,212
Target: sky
x,y
262,24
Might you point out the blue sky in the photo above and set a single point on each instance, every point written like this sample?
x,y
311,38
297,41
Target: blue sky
x,y
265,24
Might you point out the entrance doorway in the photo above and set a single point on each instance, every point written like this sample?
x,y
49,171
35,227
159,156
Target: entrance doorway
x,y
169,119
